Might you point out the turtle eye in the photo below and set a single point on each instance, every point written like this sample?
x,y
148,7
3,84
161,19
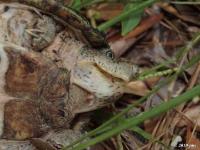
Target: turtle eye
x,y
109,54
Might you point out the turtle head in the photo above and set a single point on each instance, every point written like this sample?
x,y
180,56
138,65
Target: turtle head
x,y
105,61
105,77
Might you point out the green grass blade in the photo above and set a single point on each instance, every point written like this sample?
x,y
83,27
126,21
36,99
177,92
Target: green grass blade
x,y
143,133
77,4
132,21
185,2
124,15
148,136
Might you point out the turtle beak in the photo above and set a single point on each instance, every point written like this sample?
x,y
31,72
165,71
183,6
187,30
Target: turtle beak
x,y
123,70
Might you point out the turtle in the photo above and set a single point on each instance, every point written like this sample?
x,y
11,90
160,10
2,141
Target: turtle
x,y
48,74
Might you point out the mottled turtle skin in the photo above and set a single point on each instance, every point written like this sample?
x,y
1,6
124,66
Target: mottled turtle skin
x,y
80,26
48,75
25,28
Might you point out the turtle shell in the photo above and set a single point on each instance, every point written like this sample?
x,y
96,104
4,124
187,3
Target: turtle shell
x,y
32,78
81,27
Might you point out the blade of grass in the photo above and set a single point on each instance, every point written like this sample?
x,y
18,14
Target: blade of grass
x,y
155,68
143,133
124,15
179,55
185,3
164,107
147,136
188,47
132,21
85,3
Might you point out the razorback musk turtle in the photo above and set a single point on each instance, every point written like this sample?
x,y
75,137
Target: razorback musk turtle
x,y
48,73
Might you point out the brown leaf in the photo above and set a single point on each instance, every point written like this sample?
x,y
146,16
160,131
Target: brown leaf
x,y
138,88
109,10
145,25
120,44
192,141
193,114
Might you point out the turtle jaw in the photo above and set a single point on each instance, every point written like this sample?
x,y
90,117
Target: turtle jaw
x,y
103,80
95,81
124,71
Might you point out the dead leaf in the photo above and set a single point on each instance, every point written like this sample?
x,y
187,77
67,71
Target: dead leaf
x,y
108,11
191,140
193,114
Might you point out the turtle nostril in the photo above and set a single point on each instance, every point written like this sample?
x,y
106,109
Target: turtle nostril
x,y
61,113
6,8
135,70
